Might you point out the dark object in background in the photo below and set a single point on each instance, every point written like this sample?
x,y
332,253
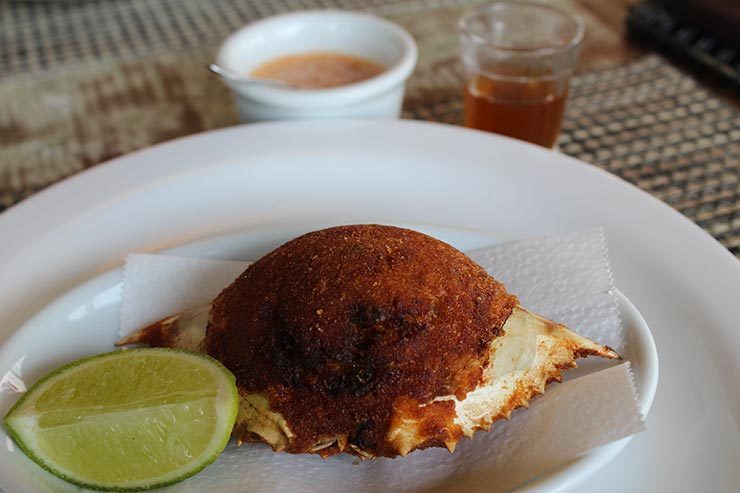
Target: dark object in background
x,y
706,32
719,17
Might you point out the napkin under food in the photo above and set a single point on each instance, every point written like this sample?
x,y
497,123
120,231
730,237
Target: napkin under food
x,y
566,278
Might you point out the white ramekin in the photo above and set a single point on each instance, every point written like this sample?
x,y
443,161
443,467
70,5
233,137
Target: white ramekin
x,y
320,30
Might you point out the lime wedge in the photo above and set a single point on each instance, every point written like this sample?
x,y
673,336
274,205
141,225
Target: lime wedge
x,y
127,420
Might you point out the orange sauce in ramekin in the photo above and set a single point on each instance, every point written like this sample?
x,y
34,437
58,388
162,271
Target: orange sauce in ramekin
x,y
318,70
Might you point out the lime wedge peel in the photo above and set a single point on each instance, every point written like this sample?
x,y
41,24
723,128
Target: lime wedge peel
x,y
129,420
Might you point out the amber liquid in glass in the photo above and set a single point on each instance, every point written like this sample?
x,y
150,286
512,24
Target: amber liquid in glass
x,y
531,111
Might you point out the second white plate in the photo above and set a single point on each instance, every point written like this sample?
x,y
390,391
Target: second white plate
x,y
85,321
320,173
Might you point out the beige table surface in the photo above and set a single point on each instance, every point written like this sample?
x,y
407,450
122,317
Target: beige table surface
x,y
82,82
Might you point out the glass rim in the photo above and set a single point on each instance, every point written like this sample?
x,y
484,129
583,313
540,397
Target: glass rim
x,y
464,22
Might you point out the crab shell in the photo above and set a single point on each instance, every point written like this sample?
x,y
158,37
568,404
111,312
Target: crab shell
x,y
532,352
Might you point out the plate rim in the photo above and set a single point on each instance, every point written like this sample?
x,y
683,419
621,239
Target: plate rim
x,y
46,196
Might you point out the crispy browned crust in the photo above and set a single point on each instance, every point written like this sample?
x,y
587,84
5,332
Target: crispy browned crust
x,y
338,326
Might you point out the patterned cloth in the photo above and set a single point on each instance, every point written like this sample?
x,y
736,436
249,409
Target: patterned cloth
x,y
81,82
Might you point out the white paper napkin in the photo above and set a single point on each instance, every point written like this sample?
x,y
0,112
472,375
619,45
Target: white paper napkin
x,y
155,286
566,278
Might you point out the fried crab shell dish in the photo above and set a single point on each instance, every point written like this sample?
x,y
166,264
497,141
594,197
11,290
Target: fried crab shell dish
x,y
372,340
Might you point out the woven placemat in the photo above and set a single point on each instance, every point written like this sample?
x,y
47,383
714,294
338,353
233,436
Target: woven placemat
x,y
101,79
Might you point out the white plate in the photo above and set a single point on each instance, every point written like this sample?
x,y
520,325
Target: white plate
x,y
314,174
85,321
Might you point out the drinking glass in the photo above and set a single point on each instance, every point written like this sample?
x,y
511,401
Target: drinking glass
x,y
518,58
